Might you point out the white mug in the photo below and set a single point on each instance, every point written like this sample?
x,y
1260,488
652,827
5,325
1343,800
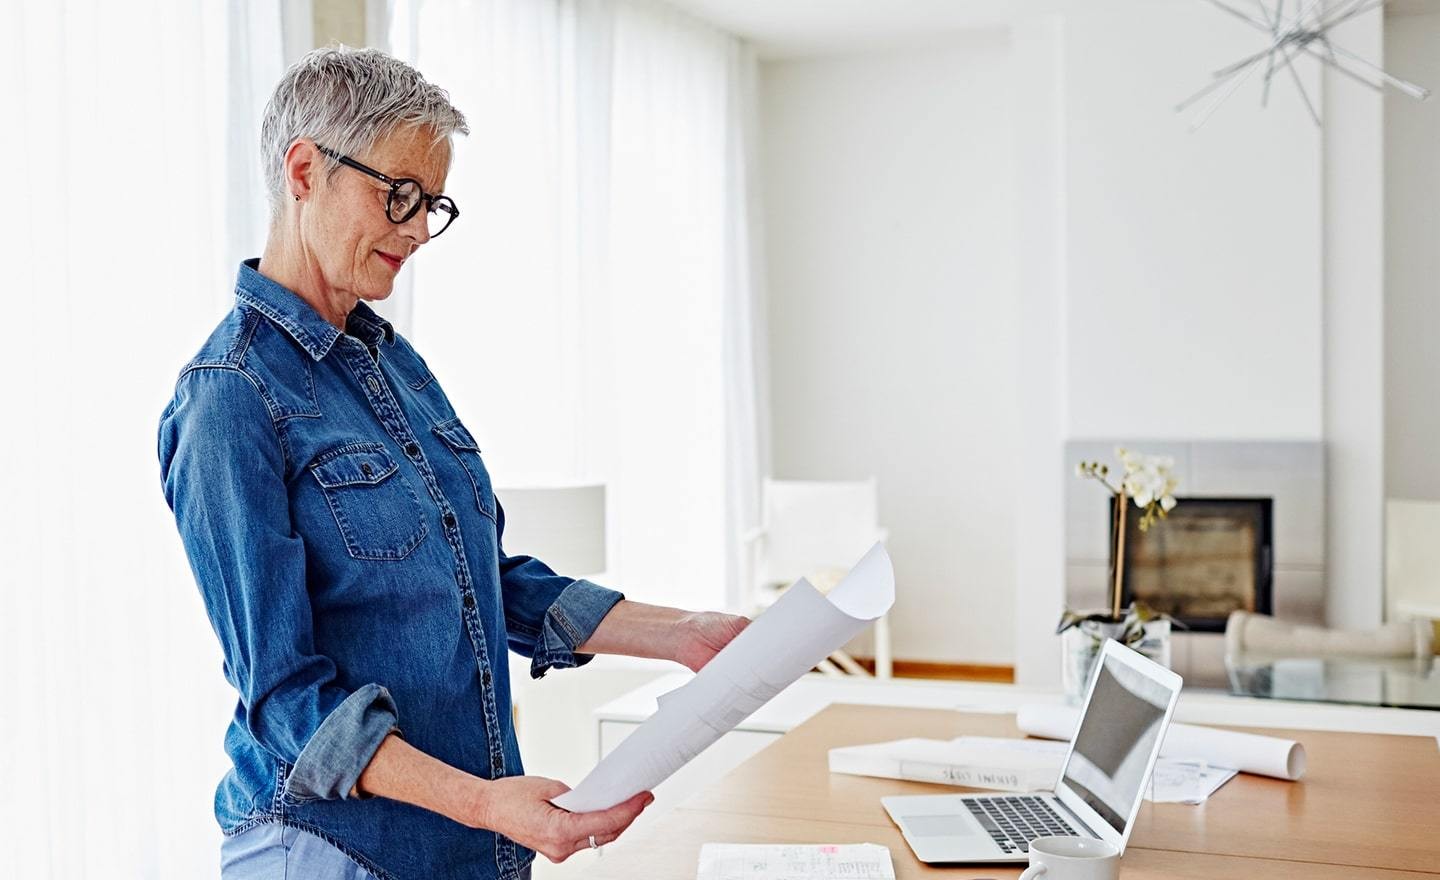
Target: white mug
x,y
1072,858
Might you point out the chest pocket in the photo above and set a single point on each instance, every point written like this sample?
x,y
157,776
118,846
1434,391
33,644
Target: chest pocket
x,y
378,514
459,441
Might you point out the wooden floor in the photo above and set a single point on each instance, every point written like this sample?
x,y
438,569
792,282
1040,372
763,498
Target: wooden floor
x,y
946,671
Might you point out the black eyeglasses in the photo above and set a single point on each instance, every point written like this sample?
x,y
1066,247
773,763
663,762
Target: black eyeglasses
x,y
406,197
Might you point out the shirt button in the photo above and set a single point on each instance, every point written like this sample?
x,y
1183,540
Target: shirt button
x,y
485,678
449,520
469,601
412,450
374,385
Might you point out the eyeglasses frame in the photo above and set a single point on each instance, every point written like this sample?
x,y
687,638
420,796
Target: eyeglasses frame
x,y
395,183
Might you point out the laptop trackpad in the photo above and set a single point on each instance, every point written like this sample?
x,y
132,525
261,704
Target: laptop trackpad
x,y
956,825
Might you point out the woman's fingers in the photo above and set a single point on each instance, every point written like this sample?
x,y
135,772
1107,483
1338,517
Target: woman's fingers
x,y
605,825
584,844
614,820
600,840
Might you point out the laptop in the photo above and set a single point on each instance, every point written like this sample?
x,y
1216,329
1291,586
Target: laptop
x,y
1106,770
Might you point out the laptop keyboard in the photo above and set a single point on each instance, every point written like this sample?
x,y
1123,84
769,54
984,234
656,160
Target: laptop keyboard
x,y
1013,821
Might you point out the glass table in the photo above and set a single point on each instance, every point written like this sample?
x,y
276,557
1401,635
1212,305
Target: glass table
x,y
1401,683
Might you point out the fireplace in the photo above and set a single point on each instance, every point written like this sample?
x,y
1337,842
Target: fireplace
x,y
1209,557
1283,545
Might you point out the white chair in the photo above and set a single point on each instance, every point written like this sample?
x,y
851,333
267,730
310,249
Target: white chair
x,y
1412,560
562,526
816,530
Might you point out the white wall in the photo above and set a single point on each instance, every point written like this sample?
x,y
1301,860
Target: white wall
x,y
1038,96
890,245
1412,262
1193,270
1186,276
1216,285
1353,184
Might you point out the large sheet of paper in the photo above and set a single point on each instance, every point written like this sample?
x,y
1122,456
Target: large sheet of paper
x,y
802,628
1247,752
744,861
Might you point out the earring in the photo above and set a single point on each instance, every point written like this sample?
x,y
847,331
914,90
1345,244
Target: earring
x,y
297,198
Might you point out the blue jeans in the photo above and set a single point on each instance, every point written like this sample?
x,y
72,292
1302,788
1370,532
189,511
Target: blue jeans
x,y
275,852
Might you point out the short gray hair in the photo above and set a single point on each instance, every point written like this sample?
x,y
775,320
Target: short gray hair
x,y
348,100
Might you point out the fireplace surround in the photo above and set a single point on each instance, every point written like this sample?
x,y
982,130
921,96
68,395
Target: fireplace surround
x,y
1291,474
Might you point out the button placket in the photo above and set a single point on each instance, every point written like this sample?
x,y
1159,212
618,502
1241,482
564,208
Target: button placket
x,y
391,415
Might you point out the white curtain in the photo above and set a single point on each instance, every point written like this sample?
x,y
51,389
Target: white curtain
x,y
130,151
593,313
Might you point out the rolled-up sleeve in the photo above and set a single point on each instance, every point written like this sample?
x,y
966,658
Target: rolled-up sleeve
x,y
223,471
548,616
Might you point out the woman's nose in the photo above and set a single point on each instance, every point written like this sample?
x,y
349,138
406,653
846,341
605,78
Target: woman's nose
x,y
418,227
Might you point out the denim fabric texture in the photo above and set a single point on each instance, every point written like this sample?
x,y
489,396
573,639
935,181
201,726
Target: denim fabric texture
x,y
279,852
342,529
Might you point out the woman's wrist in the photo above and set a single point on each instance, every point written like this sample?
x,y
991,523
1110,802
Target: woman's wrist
x,y
638,630
474,805
401,772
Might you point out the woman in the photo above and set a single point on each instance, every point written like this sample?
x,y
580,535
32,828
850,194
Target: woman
x,y
343,531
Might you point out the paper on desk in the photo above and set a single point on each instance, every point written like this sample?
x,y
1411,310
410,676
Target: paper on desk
x,y
1247,752
970,761
739,861
782,644
1174,780
1186,782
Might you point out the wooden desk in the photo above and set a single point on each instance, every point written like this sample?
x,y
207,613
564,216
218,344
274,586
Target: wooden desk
x,y
1367,807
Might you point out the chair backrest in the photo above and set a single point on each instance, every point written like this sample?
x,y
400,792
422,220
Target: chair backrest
x,y
562,526
813,525
1412,553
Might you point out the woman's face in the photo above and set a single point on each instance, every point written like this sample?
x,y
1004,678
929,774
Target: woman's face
x,y
351,240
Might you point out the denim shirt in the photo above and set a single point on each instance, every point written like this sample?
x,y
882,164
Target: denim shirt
x,y
342,529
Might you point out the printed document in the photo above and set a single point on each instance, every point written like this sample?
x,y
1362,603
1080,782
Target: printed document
x,y
802,628
738,861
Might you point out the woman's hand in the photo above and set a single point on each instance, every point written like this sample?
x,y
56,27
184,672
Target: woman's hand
x,y
691,638
701,635
519,807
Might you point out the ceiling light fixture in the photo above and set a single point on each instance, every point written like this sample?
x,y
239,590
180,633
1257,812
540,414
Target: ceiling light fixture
x,y
1307,32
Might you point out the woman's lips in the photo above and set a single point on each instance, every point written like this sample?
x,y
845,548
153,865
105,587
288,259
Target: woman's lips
x,y
392,262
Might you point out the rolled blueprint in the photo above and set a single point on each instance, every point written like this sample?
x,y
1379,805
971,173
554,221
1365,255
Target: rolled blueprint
x,y
1247,752
802,628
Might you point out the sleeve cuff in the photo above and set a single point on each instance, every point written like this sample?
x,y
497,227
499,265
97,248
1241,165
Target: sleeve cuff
x,y
341,748
568,622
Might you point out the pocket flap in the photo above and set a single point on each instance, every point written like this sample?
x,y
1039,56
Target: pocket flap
x,y
358,464
456,436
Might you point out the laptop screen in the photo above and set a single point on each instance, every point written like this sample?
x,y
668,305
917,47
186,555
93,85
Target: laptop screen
x,y
1107,767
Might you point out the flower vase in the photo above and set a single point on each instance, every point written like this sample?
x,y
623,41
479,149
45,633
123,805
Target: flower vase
x,y
1081,645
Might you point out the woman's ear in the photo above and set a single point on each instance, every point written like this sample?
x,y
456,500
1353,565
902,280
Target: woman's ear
x,y
302,166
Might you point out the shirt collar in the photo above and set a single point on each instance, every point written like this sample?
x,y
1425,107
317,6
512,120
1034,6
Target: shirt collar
x,y
368,327
285,307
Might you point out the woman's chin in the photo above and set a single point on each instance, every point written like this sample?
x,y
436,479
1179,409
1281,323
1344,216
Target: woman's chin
x,y
379,291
